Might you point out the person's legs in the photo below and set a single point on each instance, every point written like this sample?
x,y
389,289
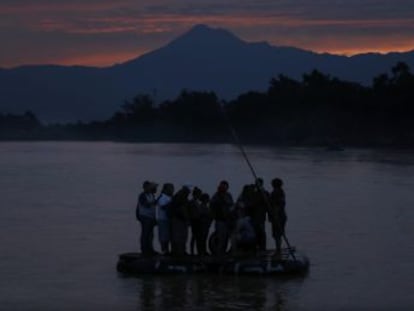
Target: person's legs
x,y
175,236
277,236
259,229
194,242
222,237
262,236
147,228
179,236
204,230
197,230
182,237
164,235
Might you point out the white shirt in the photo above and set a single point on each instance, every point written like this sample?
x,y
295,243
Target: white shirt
x,y
162,203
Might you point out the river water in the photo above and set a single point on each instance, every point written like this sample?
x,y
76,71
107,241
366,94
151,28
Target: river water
x,y
67,211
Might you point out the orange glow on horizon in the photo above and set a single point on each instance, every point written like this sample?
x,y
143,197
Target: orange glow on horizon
x,y
361,46
101,59
113,58
105,60
353,52
95,21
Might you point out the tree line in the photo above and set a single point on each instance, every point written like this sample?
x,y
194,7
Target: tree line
x,y
317,110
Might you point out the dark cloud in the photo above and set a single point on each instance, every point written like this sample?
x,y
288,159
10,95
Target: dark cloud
x,y
63,30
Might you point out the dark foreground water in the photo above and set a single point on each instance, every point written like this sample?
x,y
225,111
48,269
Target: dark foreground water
x,y
67,211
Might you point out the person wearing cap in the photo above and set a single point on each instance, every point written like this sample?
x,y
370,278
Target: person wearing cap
x,y
221,205
277,213
145,213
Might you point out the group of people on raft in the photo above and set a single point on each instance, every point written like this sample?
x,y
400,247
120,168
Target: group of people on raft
x,y
242,222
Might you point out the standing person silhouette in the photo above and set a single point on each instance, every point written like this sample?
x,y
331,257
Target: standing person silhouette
x,y
194,212
258,213
277,213
205,222
221,205
145,213
180,221
163,217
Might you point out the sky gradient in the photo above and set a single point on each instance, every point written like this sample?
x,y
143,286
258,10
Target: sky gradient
x,y
104,32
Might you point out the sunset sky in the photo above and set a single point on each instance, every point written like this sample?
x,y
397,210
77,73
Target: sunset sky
x,y
104,32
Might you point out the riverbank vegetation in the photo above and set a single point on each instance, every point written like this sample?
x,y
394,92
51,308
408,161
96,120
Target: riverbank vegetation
x,y
318,110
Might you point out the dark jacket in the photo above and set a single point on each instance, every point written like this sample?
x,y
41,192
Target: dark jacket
x,y
259,206
179,205
278,202
221,205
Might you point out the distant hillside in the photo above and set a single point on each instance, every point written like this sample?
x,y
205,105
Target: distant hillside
x,y
204,58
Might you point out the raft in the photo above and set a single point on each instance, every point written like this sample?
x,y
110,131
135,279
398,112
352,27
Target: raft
x,y
263,264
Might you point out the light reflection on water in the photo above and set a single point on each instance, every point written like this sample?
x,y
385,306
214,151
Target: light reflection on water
x,y
67,211
201,292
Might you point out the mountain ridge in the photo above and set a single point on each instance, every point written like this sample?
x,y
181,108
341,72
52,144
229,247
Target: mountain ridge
x,y
203,58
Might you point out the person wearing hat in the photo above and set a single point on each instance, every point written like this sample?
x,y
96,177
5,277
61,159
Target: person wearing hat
x,y
145,213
